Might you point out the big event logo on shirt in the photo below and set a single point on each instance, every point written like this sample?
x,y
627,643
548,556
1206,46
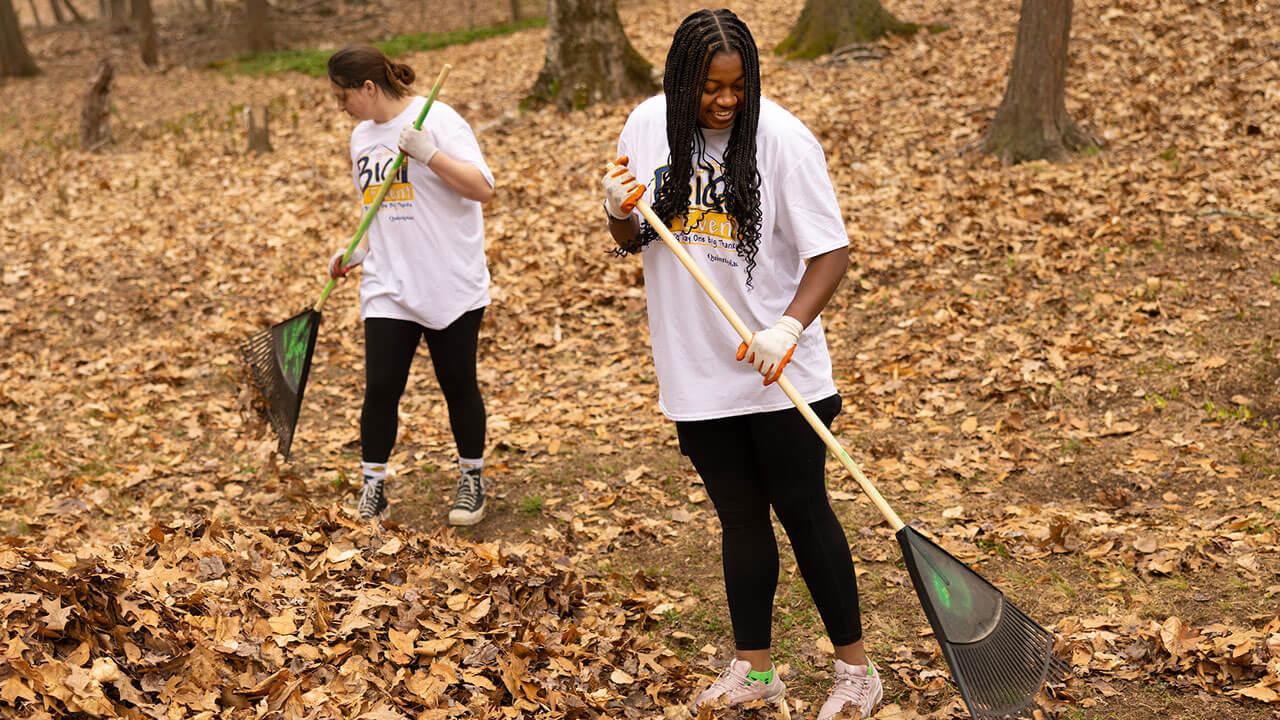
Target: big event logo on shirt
x,y
705,223
372,171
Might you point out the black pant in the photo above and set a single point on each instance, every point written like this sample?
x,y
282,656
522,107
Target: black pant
x,y
389,346
753,462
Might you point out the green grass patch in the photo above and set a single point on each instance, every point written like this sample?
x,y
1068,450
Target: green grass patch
x,y
313,61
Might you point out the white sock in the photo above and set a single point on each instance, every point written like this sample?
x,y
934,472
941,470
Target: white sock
x,y
466,465
373,471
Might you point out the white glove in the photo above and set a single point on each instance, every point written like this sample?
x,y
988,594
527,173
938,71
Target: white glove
x,y
770,350
337,269
417,144
621,190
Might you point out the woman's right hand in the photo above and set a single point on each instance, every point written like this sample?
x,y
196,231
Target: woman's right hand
x,y
337,269
621,190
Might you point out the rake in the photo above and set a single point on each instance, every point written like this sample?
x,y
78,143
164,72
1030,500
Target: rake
x,y
999,657
278,360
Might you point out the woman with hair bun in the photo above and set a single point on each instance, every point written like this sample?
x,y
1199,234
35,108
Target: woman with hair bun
x,y
424,272
743,185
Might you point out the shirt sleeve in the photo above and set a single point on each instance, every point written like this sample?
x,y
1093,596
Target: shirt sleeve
x,y
807,211
455,137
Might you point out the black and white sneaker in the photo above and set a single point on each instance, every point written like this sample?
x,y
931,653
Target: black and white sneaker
x,y
468,508
373,499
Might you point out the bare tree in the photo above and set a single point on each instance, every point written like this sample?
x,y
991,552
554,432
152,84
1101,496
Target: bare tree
x,y
1032,122
827,25
15,59
258,23
589,58
147,32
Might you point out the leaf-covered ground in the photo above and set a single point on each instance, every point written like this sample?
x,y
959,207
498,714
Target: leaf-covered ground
x,y
1065,373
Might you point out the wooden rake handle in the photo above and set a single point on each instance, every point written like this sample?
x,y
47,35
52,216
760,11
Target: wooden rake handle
x,y
386,185
832,443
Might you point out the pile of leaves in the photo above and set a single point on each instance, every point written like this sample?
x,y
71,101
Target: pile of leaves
x,y
318,616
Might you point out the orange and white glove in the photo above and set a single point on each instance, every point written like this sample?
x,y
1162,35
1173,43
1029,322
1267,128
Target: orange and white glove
x,y
621,190
770,350
337,269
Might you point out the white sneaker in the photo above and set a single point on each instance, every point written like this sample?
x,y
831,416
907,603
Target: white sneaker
x,y
733,687
857,688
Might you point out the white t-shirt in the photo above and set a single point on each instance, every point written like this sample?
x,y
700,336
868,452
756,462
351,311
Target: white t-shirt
x,y
426,243
694,346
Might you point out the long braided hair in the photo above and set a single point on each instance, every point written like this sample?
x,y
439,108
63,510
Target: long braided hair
x,y
699,37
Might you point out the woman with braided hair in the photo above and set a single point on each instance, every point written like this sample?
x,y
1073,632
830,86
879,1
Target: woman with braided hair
x,y
743,185
424,275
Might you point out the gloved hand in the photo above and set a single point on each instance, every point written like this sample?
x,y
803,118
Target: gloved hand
x,y
337,269
417,144
621,190
770,350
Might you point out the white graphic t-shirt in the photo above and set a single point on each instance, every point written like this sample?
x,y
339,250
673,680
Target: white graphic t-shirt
x,y
694,346
426,243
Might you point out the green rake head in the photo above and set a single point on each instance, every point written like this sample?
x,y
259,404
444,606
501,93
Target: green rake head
x,y
278,363
999,657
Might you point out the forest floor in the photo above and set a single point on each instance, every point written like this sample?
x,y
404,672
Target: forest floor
x,y
1067,374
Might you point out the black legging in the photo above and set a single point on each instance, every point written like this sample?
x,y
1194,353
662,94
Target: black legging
x,y
750,463
389,346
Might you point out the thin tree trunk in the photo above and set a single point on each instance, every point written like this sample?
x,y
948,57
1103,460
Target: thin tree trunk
x,y
75,14
15,59
1031,122
826,25
58,17
589,58
147,30
119,11
258,23
35,13
94,132
515,11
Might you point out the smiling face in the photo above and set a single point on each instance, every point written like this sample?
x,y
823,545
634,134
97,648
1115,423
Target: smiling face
x,y
722,92
358,102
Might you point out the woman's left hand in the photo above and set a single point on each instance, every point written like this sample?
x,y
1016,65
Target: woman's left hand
x,y
417,144
770,350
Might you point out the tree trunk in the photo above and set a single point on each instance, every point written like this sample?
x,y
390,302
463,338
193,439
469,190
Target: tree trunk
x,y
258,24
827,25
58,17
72,8
119,11
1031,122
589,58
515,11
147,29
257,122
15,60
35,13
94,132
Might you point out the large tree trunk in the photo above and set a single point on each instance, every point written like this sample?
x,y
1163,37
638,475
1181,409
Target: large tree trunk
x,y
15,60
827,25
1031,122
589,58
147,32
258,25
